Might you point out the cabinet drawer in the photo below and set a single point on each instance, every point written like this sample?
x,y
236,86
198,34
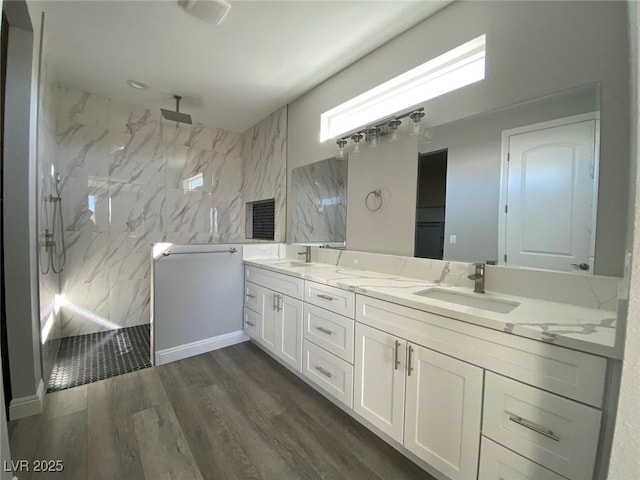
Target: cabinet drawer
x,y
251,323
498,463
279,282
334,299
330,331
252,297
555,432
333,375
566,372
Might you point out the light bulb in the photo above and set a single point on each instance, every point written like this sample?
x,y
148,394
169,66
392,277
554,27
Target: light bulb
x,y
416,117
341,143
356,142
393,129
373,136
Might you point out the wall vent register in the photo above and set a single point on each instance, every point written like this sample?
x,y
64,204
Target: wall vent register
x,y
261,219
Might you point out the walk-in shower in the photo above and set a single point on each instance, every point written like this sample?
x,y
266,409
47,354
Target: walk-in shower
x,y
55,256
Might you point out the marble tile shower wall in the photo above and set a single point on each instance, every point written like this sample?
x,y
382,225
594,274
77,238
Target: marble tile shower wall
x,y
264,150
131,179
318,202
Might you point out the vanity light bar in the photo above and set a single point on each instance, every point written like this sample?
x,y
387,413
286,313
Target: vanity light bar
x,y
383,127
452,70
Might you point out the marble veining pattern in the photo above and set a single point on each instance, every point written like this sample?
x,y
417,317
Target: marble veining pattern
x,y
319,202
264,149
587,329
588,291
130,178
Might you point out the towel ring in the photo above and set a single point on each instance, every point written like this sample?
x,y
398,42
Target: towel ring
x,y
377,193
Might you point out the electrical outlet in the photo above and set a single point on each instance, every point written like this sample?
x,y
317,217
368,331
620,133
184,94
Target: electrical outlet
x,y
452,239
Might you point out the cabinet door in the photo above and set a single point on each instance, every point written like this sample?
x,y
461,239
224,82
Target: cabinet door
x,y
268,331
443,412
379,379
289,330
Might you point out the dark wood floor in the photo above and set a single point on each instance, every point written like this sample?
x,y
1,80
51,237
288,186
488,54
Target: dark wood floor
x,y
230,414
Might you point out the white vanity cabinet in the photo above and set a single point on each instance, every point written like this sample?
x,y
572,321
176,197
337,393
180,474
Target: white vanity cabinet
x,y
273,318
470,403
429,402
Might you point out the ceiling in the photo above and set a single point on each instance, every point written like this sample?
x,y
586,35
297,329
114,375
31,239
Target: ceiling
x,y
263,55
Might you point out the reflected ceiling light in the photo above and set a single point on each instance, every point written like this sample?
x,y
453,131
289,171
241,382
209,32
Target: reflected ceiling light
x,y
211,11
137,85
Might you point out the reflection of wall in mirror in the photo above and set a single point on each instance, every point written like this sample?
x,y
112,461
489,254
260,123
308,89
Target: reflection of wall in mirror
x,y
473,174
319,210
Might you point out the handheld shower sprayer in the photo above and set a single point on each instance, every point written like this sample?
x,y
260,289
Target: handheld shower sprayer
x,y
55,247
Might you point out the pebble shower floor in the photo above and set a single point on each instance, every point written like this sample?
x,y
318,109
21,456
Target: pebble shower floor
x,y
88,358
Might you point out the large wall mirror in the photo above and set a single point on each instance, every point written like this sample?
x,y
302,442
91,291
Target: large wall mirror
x,y
533,185
319,203
517,186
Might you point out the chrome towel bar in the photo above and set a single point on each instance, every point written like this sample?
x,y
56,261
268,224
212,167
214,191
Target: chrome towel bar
x,y
169,252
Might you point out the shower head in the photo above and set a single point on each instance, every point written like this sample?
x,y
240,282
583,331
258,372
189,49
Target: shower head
x,y
176,116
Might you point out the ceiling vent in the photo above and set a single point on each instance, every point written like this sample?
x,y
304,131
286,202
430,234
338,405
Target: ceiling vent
x,y
211,11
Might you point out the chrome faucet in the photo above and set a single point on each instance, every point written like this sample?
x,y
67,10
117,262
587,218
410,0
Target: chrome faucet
x,y
478,277
306,253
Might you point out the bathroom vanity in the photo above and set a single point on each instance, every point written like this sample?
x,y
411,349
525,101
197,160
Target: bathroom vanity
x,y
466,385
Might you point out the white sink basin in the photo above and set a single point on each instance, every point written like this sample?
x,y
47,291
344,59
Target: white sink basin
x,y
292,263
475,300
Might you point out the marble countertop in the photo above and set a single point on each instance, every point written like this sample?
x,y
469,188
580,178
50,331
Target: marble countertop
x,y
585,329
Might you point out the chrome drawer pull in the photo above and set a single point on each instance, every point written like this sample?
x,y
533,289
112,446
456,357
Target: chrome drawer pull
x,y
250,323
250,296
396,361
324,297
326,373
409,367
324,330
536,428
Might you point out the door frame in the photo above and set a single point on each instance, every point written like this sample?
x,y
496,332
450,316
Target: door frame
x,y
504,176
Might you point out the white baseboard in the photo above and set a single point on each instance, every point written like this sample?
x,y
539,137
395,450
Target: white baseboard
x,y
187,350
29,405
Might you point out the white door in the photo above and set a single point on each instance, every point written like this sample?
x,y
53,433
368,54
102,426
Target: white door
x,y
550,198
268,333
289,329
380,379
443,412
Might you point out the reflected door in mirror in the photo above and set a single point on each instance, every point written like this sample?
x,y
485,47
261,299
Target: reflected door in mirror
x,y
551,189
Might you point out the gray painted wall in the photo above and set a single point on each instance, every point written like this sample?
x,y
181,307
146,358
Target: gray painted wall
x,y
533,49
392,168
19,218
